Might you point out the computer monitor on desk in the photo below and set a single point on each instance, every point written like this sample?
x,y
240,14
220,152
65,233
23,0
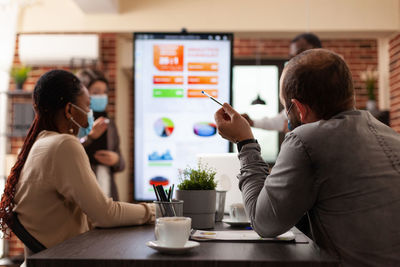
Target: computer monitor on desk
x,y
227,166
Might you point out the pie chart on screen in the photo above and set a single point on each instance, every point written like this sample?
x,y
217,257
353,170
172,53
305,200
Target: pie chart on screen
x,y
204,129
159,180
164,127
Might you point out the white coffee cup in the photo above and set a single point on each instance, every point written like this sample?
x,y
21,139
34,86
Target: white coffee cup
x,y
173,231
238,213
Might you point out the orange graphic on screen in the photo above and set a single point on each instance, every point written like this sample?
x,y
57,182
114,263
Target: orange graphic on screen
x,y
168,57
202,66
168,79
203,80
196,93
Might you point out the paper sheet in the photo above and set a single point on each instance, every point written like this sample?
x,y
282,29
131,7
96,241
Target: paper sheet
x,y
243,235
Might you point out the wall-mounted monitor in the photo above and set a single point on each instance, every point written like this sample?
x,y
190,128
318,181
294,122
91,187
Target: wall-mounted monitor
x,y
173,120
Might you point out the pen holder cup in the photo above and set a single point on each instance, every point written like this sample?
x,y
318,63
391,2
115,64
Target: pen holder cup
x,y
220,205
169,209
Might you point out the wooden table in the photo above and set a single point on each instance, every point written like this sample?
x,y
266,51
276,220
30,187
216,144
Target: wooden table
x,y
125,246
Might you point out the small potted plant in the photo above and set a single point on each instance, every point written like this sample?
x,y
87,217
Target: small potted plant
x,y
197,190
370,77
20,74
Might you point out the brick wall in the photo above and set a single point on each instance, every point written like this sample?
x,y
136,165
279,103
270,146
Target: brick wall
x,y
358,53
394,53
108,45
107,64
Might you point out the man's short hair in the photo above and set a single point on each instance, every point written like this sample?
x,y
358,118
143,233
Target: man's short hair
x,y
310,38
320,79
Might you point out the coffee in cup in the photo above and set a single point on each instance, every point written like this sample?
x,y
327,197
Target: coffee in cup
x,y
238,213
173,231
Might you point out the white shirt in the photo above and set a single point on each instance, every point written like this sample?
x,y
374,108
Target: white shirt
x,y
276,123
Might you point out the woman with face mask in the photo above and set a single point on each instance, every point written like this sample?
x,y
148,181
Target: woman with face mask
x,y
102,141
52,187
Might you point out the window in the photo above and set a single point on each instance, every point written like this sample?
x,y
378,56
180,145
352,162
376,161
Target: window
x,y
252,81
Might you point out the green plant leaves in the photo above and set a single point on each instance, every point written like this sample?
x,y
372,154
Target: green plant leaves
x,y
370,90
20,74
201,178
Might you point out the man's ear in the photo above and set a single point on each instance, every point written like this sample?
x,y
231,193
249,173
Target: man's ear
x,y
304,110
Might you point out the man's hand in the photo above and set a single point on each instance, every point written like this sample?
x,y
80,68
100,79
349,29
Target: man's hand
x,y
231,125
99,127
250,121
106,157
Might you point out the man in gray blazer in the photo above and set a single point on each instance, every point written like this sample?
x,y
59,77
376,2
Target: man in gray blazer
x,y
339,164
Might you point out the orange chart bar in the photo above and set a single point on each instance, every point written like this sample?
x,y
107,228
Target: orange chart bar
x,y
203,80
196,93
168,79
200,66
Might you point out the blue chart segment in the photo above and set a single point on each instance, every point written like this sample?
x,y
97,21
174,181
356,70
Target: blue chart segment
x,y
160,159
164,127
204,129
164,156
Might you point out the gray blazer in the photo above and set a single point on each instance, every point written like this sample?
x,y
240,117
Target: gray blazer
x,y
346,172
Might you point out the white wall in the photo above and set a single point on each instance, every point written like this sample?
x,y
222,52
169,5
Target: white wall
x,y
122,110
220,15
383,69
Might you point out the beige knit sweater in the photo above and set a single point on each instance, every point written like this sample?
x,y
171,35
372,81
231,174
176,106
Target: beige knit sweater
x,y
57,195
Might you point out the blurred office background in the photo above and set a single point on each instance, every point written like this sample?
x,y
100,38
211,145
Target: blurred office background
x,y
71,34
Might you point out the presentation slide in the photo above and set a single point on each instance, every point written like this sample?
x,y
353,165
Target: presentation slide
x,y
173,120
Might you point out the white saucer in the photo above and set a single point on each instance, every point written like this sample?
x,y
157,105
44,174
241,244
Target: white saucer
x,y
171,250
236,223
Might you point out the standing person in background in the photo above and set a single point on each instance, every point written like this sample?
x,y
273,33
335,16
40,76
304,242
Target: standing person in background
x,y
300,43
52,187
102,143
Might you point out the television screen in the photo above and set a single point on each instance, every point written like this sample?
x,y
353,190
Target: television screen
x,y
173,120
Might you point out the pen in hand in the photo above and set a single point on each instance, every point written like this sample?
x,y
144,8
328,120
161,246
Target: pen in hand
x,y
212,98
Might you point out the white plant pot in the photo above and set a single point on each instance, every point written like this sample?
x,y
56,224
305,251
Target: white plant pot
x,y
371,106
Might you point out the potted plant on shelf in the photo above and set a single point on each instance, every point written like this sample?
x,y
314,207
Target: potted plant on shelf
x,y
19,75
197,190
370,77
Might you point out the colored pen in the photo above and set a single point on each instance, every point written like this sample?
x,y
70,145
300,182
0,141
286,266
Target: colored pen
x,y
212,98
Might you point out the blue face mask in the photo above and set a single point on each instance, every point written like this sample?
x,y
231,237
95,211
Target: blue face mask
x,y
289,125
98,103
84,131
